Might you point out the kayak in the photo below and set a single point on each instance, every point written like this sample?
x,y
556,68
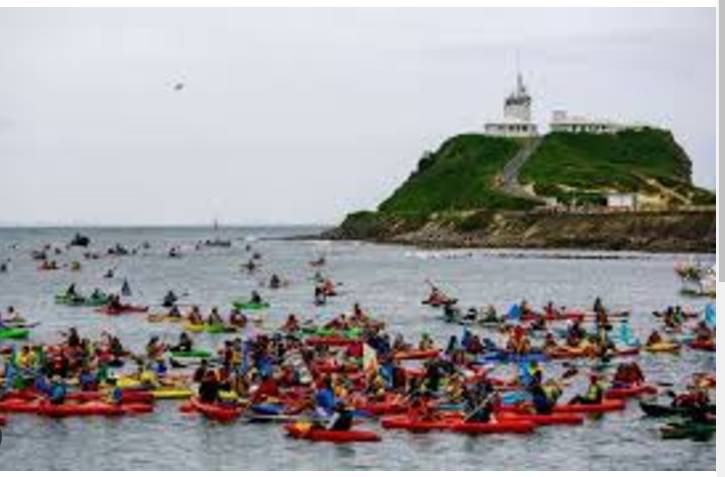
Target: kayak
x,y
250,306
437,303
419,425
76,300
605,406
194,353
512,426
632,391
215,411
660,410
171,393
557,418
704,345
304,431
663,347
416,354
18,405
687,430
330,341
14,333
106,310
91,408
127,396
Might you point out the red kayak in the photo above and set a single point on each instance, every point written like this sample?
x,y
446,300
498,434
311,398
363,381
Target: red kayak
x,y
543,419
18,406
127,396
215,411
91,408
419,425
607,405
704,345
330,341
106,310
390,404
512,426
416,354
632,391
324,435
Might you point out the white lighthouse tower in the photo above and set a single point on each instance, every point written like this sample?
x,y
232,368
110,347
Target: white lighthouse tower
x,y
516,114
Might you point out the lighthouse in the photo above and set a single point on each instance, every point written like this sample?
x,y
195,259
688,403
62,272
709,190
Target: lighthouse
x,y
516,120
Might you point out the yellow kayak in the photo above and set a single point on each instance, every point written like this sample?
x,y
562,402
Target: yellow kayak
x,y
198,328
172,393
663,347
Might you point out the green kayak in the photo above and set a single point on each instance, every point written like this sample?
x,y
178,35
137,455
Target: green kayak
x,y
248,305
14,333
194,353
688,430
75,300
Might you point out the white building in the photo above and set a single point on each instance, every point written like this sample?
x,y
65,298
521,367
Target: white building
x,y
562,122
622,201
516,115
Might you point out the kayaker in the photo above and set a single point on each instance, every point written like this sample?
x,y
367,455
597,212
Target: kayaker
x,y
87,379
320,298
169,299
598,306
109,273
543,396
267,389
594,394
357,313
155,348
194,316
341,419
201,371
126,288
174,312
274,281
256,298
209,388
627,375
426,342
58,391
654,338
291,325
71,291
325,398
114,303
237,318
185,343
214,318
478,408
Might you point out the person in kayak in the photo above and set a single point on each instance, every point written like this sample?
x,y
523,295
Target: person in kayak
x,y
87,379
320,297
194,316
654,338
543,396
426,342
594,394
155,348
268,388
255,298
209,388
325,400
71,291
174,312
185,343
114,303
126,288
627,375
478,407
275,282
214,317
598,306
341,419
170,299
237,318
292,325
108,274
201,371
58,391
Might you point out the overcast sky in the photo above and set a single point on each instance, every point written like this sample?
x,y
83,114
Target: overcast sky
x,y
300,116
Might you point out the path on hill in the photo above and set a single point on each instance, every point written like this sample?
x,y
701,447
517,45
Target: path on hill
x,y
510,173
665,190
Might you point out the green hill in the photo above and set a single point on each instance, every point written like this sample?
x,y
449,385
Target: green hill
x,y
628,161
460,175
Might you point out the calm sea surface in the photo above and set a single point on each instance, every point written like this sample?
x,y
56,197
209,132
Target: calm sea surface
x,y
389,281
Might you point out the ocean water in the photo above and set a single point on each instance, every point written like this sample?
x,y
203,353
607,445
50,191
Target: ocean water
x,y
389,281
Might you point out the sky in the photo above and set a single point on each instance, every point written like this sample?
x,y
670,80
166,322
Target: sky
x,y
294,116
